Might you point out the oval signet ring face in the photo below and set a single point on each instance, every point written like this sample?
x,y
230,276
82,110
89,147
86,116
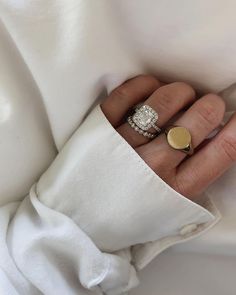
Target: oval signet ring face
x,y
179,138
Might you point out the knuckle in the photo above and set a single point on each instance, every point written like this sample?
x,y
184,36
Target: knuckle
x,y
121,92
169,94
165,101
212,110
149,79
175,93
228,146
216,100
185,88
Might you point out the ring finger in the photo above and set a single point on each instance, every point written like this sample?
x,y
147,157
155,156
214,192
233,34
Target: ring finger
x,y
167,100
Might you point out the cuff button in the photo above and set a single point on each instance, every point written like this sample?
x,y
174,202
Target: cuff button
x,y
187,229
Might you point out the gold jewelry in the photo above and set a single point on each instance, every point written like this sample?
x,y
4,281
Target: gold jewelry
x,y
179,138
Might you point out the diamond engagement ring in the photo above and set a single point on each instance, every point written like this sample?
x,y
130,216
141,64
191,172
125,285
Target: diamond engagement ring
x,y
143,119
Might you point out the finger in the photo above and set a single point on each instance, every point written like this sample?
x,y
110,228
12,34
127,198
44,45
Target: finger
x,y
166,101
127,95
200,119
199,171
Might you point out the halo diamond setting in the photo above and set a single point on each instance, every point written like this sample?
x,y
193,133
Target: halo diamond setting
x,y
145,117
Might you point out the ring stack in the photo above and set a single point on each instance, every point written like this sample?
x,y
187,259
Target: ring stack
x,y
143,119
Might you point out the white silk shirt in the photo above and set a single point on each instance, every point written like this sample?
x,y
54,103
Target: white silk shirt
x,y
80,211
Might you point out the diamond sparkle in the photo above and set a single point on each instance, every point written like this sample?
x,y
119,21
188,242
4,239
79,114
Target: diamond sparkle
x,y
145,117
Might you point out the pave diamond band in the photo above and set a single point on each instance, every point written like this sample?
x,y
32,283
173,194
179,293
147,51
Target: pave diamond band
x,y
140,131
158,129
143,119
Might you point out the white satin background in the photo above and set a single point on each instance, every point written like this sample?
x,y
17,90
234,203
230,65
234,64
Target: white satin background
x,y
57,57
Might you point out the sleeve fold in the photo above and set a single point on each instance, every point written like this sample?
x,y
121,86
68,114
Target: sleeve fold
x,y
97,199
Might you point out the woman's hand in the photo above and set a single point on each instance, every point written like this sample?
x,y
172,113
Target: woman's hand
x,y
187,175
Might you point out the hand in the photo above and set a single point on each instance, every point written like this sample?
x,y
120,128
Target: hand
x,y
188,175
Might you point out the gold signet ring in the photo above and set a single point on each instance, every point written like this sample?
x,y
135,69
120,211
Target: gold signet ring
x,y
179,138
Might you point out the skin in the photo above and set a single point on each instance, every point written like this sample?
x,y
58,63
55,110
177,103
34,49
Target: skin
x,y
190,176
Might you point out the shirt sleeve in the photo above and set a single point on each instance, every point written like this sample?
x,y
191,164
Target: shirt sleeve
x,y
97,198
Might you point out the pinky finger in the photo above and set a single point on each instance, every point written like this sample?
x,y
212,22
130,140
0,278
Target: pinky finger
x,y
198,172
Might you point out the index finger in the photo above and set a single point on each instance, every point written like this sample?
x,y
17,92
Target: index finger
x,y
127,95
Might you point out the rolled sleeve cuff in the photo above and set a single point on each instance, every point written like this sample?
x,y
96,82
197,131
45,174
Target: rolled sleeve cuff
x,y
100,182
120,278
143,254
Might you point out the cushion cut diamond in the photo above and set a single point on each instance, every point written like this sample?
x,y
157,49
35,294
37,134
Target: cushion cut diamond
x,y
145,117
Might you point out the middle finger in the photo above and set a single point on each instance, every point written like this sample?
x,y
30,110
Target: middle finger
x,y
200,119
